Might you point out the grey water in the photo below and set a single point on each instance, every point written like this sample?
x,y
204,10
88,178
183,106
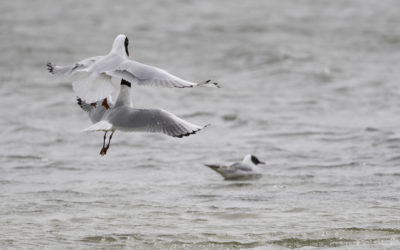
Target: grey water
x,y
310,87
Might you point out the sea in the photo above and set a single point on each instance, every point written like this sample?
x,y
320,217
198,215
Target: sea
x,y
310,87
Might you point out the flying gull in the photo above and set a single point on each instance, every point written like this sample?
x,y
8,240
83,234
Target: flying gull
x,y
91,77
108,117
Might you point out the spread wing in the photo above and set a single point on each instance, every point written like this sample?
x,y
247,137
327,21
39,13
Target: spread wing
x,y
143,74
151,120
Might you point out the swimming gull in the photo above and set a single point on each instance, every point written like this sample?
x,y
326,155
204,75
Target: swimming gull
x,y
246,169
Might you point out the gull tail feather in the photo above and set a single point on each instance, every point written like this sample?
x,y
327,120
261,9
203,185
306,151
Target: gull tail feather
x,y
212,166
100,126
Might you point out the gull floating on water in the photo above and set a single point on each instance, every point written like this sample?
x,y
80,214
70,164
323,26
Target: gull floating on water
x,y
91,77
122,116
247,169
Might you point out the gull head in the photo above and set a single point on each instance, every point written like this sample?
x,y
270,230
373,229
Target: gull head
x,y
120,45
252,160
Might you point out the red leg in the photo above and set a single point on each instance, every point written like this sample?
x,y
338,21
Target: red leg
x,y
103,150
108,144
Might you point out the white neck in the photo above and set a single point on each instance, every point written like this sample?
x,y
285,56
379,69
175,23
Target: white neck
x,y
124,97
118,46
247,160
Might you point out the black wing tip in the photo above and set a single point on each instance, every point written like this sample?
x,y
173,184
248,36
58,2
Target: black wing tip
x,y
192,132
188,133
79,102
214,83
50,67
82,104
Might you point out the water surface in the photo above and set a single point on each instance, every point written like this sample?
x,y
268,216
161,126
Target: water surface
x,y
310,87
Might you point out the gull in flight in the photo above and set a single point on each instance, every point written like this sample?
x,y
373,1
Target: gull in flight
x,y
122,116
246,169
91,77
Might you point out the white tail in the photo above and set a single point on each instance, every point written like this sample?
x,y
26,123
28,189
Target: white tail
x,y
100,126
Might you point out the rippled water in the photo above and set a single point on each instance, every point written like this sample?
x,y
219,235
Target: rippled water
x,y
310,87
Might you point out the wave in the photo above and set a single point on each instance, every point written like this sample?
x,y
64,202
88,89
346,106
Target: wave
x,y
298,242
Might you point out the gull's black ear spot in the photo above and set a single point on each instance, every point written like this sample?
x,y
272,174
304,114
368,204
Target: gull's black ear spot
x,y
126,43
255,160
125,82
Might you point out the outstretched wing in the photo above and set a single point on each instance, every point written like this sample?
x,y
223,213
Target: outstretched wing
x,y
143,74
72,69
151,120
